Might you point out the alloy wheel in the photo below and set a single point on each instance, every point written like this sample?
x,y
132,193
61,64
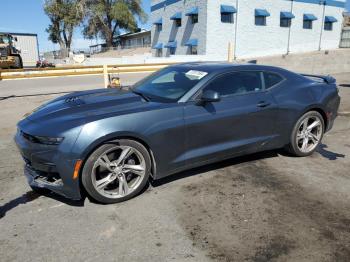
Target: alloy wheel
x,y
118,172
309,134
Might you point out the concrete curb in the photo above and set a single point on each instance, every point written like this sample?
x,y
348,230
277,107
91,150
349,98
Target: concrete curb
x,y
344,113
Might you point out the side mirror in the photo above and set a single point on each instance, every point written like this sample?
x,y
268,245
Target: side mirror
x,y
209,96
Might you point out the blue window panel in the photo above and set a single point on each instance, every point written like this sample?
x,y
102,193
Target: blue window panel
x,y
157,6
328,26
176,16
193,11
228,9
309,17
285,22
163,4
172,51
227,18
158,46
192,42
171,44
307,24
158,22
330,19
260,20
261,12
287,15
335,3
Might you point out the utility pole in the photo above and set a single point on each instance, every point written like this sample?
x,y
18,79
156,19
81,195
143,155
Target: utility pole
x,y
290,27
229,52
105,75
236,27
323,2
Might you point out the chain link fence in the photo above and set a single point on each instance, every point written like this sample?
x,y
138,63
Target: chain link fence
x,y
96,49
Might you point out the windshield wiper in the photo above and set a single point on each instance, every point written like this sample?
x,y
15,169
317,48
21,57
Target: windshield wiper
x,y
142,95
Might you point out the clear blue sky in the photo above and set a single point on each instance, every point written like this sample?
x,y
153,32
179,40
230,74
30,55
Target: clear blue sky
x,y
28,16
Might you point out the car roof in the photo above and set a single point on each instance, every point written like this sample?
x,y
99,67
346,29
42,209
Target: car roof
x,y
211,67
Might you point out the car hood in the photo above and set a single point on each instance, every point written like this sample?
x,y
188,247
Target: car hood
x,y
89,104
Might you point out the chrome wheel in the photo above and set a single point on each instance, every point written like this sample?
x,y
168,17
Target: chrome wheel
x,y
309,134
118,172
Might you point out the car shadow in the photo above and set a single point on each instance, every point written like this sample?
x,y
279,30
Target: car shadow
x,y
21,200
321,149
214,166
31,196
239,160
64,200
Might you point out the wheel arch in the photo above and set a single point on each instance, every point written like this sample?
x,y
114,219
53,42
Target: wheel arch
x,y
291,146
322,113
113,137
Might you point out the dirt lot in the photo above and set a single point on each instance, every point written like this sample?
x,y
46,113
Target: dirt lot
x,y
263,207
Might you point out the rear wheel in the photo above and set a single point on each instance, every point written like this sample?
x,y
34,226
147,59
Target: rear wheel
x,y
307,134
116,171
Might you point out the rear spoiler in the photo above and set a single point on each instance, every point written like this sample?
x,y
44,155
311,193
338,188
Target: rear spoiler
x,y
327,79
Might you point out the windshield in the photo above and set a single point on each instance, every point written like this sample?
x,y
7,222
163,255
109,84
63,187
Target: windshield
x,y
4,39
169,84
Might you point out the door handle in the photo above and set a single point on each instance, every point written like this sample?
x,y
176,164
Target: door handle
x,y
263,104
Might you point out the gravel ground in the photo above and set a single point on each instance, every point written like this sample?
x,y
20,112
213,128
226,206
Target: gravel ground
x,y
262,207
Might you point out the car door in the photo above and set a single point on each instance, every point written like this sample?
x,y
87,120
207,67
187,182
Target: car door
x,y
242,121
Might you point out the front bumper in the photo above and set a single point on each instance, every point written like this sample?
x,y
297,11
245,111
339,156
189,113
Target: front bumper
x,y
7,61
37,179
49,167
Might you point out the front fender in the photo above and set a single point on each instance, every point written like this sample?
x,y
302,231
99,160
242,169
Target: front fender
x,y
162,131
96,133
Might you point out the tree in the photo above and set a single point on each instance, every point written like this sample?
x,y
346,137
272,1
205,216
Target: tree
x,y
104,18
64,15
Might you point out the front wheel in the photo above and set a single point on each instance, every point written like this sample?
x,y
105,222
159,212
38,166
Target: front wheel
x,y
307,134
116,171
18,62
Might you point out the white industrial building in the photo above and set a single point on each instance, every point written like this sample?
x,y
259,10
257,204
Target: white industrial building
x,y
27,43
253,27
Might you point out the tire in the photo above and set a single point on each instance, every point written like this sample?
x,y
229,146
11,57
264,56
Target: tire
x,y
302,133
18,62
116,171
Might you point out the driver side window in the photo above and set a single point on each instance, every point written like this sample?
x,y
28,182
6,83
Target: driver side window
x,y
236,83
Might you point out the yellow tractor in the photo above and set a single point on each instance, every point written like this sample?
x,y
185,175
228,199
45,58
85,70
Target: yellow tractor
x,y
10,56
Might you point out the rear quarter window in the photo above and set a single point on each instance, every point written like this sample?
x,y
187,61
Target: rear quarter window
x,y
272,79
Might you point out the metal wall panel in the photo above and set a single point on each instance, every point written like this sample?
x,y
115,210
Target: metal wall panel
x,y
28,45
345,38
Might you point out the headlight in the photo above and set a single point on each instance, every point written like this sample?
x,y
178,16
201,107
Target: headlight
x,y
45,140
49,140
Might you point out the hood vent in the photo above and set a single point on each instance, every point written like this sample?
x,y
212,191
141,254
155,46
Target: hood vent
x,y
74,100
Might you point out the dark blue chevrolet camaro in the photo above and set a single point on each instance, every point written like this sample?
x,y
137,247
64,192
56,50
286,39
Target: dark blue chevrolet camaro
x,y
109,142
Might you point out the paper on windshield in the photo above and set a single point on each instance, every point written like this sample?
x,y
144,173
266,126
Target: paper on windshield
x,y
194,74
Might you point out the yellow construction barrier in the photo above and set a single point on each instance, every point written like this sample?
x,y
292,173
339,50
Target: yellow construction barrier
x,y
79,70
